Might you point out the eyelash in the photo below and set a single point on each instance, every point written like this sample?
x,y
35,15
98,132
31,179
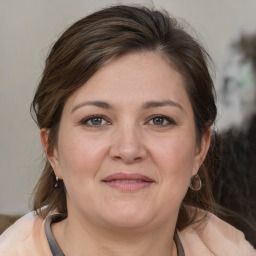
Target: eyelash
x,y
90,118
167,121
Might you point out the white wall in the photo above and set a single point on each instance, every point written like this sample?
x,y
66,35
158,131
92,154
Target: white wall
x,y
29,27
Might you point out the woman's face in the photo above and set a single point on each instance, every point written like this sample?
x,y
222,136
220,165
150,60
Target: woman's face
x,y
127,144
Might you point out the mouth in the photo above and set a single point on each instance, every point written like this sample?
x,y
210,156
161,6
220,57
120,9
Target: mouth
x,y
128,182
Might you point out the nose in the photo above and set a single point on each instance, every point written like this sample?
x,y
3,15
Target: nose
x,y
127,145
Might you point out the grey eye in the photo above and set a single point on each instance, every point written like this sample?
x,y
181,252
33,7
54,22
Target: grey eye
x,y
158,120
96,121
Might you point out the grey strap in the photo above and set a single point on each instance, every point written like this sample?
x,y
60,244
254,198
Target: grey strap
x,y
55,249
180,250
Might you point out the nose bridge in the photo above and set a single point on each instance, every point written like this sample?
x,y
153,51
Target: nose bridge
x,y
128,142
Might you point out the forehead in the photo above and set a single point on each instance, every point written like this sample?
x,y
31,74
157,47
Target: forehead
x,y
133,77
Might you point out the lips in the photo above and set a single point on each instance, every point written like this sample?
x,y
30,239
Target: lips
x,y
128,182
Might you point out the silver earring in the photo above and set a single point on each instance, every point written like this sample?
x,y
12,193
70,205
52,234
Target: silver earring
x,y
57,182
195,183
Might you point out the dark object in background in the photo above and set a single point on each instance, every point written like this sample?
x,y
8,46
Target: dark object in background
x,y
6,221
234,184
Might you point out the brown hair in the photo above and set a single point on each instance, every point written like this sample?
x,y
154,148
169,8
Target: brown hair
x,y
89,44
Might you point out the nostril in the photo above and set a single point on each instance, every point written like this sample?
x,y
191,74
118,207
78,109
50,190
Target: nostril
x,y
137,158
127,157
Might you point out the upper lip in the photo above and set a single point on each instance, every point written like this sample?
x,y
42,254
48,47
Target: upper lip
x,y
127,176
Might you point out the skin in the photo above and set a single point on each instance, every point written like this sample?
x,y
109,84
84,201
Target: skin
x,y
132,135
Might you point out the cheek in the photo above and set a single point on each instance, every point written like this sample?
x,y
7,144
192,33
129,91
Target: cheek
x,y
179,152
80,157
175,159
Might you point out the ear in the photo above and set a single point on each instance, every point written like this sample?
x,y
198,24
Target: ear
x,y
52,155
201,150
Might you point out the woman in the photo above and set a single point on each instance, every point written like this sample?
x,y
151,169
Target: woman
x,y
125,108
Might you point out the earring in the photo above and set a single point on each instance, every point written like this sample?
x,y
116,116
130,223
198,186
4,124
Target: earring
x,y
195,183
57,182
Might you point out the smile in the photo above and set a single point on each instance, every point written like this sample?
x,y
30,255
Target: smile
x,y
128,182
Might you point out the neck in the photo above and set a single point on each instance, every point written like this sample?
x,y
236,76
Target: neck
x,y
74,238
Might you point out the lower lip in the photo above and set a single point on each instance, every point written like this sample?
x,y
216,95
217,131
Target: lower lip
x,y
129,186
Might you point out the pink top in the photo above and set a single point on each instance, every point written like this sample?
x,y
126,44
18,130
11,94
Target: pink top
x,y
212,237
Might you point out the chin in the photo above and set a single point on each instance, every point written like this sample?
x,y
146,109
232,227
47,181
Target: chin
x,y
130,218
129,223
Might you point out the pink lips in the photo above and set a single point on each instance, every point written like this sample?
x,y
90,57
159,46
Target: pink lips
x,y
128,182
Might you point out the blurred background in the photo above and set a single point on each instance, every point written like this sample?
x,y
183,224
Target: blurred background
x,y
28,29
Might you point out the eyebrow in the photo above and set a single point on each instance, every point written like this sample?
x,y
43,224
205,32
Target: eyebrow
x,y
154,104
146,105
97,103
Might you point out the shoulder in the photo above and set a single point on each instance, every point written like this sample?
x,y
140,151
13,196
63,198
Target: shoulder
x,y
25,237
213,236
